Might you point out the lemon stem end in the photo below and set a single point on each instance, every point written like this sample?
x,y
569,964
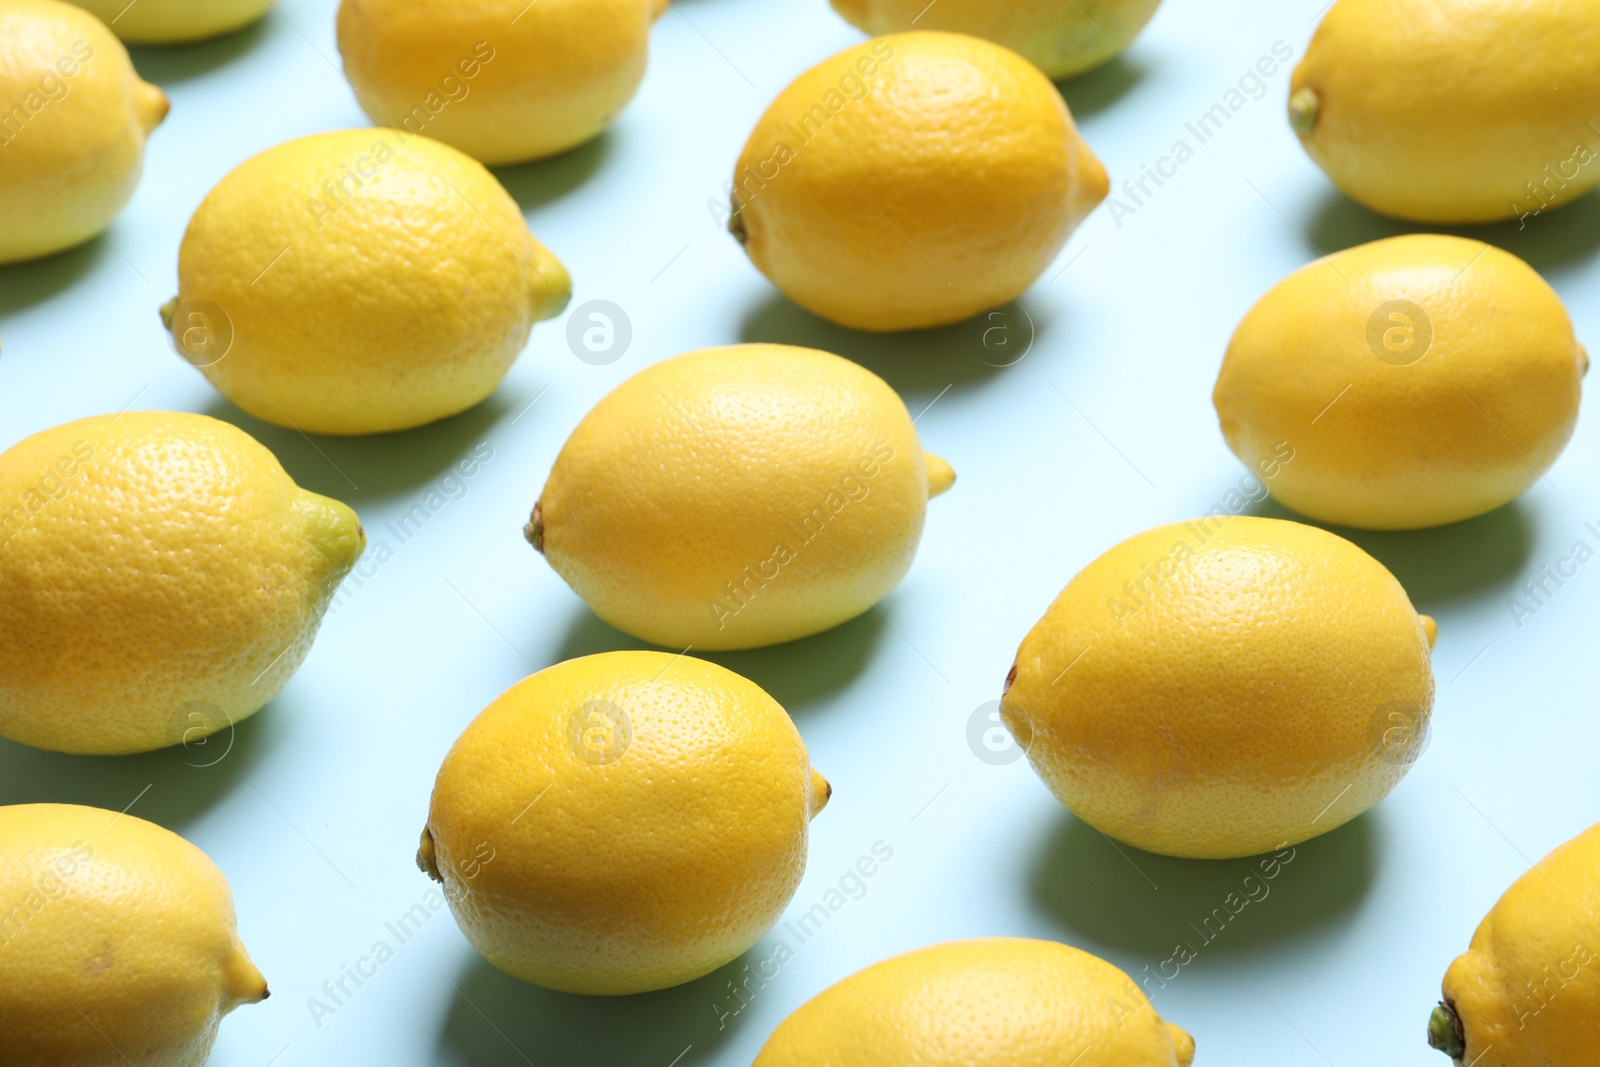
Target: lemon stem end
x,y
1305,108
534,530
1444,1032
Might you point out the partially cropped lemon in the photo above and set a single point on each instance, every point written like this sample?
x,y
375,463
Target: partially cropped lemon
x,y
912,181
1527,993
161,578
1060,37
73,128
118,944
991,1002
622,822
175,21
1224,687
1416,381
1457,112
503,80
737,497
358,282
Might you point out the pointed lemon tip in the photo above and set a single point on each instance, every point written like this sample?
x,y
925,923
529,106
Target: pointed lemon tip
x,y
1183,1045
427,857
552,285
1305,109
941,476
821,793
167,312
151,105
1430,628
245,984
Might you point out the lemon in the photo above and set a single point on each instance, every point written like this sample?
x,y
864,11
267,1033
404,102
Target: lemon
x,y
1527,993
912,181
989,1002
117,943
1060,37
622,822
175,21
1451,112
73,122
161,578
1416,381
358,282
738,497
502,80
1224,687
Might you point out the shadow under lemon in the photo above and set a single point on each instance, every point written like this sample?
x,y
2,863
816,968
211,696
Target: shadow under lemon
x,y
1096,90
183,781
796,674
376,466
1441,563
496,1020
1557,238
915,363
1118,896
535,184
169,64
36,280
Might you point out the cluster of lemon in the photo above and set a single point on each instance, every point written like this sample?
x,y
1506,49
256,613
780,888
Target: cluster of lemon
x,y
1218,688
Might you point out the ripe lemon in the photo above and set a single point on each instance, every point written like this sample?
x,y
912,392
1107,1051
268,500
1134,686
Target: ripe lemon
x,y
358,282
1416,381
622,822
117,943
1527,993
161,578
1224,687
1060,37
990,1002
502,80
738,497
1451,112
912,181
175,21
73,122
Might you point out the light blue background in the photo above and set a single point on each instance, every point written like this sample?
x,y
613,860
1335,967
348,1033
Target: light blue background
x,y
1103,429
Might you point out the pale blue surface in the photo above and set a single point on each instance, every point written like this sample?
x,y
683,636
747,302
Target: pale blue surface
x,y
314,814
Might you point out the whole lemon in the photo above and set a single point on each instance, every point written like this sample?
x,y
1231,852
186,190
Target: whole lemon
x,y
175,21
502,80
119,944
912,181
1060,37
1527,993
359,282
1453,113
161,578
1416,381
989,1002
1224,687
622,822
72,130
738,497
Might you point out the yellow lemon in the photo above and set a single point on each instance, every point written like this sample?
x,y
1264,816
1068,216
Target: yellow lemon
x,y
1060,37
990,1002
1224,687
622,822
912,181
1414,381
358,282
738,497
1454,112
1527,993
161,578
73,122
175,21
502,80
117,942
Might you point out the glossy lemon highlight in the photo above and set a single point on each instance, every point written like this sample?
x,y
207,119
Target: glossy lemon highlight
x,y
1224,687
622,822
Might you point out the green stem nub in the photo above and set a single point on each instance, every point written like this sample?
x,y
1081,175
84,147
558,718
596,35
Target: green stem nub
x,y
1305,108
736,223
534,530
1445,1033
